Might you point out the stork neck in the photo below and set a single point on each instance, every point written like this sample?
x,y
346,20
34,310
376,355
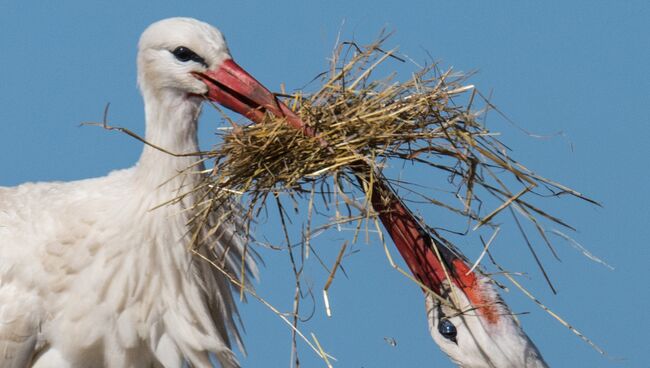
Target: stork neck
x,y
171,124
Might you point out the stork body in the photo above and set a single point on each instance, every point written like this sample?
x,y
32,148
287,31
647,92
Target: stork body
x,y
95,272
104,280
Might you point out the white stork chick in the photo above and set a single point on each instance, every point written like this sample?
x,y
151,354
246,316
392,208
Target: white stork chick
x,y
93,273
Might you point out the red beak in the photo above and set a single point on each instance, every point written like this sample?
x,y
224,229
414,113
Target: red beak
x,y
430,262
232,87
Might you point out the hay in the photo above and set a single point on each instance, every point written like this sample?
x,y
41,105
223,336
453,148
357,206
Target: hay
x,y
361,124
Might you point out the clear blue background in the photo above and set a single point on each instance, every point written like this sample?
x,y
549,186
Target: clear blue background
x,y
578,67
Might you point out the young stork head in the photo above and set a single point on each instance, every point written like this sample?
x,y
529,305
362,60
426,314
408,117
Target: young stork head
x,y
473,325
467,318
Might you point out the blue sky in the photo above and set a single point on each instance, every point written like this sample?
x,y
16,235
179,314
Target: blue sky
x,y
578,67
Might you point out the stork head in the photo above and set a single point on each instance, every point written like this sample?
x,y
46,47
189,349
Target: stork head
x,y
172,50
474,327
467,318
188,58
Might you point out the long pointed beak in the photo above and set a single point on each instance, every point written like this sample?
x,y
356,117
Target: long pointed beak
x,y
429,261
232,87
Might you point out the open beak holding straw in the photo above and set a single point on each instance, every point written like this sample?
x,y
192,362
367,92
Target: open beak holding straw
x,y
232,87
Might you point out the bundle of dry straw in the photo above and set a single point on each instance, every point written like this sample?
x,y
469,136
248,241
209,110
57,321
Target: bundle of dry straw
x,y
365,123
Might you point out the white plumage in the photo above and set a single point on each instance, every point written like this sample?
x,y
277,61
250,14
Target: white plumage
x,y
92,272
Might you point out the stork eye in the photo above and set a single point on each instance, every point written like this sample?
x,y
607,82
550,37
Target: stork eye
x,y
185,54
447,329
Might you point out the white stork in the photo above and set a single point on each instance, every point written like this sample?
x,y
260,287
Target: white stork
x,y
94,273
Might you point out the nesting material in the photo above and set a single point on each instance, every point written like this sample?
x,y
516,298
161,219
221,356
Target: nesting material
x,y
363,123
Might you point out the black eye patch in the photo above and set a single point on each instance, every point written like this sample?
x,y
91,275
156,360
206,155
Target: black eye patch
x,y
185,54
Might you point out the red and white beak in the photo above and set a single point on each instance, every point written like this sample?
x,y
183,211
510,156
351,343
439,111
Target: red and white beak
x,y
431,263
